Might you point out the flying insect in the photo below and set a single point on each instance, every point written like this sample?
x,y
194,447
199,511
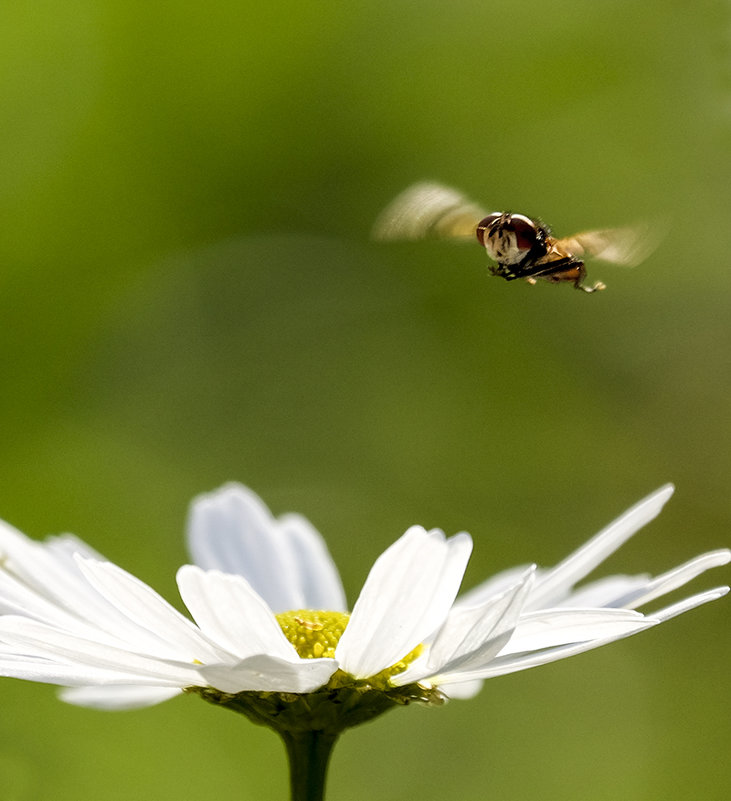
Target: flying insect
x,y
520,246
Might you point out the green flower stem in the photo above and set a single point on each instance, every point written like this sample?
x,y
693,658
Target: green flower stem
x,y
309,755
310,723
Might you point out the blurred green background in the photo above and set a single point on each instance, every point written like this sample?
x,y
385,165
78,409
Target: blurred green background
x,y
188,295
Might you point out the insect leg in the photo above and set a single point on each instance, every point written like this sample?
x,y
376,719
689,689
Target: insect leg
x,y
581,277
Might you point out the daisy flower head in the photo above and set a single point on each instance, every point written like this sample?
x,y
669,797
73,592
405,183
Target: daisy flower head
x,y
270,634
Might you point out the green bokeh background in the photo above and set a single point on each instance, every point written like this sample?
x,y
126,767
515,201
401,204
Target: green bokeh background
x,y
188,295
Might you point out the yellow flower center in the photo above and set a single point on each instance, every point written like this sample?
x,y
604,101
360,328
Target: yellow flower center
x,y
315,634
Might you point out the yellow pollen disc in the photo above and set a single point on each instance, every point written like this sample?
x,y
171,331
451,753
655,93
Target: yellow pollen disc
x,y
381,679
315,634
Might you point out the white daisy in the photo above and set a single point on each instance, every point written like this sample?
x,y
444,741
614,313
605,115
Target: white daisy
x,y
272,637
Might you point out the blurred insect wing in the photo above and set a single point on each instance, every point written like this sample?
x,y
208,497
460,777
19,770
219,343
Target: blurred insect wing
x,y
428,210
626,246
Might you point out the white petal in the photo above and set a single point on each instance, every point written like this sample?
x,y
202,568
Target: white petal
x,y
522,661
37,640
552,627
32,668
265,673
232,530
52,575
406,597
677,577
472,636
172,635
44,581
17,598
286,562
318,582
117,697
67,546
605,592
229,611
690,603
464,690
495,585
555,584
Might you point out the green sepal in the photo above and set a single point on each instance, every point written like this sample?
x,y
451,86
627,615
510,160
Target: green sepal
x,y
330,710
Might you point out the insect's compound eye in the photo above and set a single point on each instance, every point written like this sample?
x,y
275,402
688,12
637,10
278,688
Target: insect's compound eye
x,y
524,229
485,224
510,238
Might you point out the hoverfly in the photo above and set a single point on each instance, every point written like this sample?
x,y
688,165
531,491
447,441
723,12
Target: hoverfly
x,y
520,246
